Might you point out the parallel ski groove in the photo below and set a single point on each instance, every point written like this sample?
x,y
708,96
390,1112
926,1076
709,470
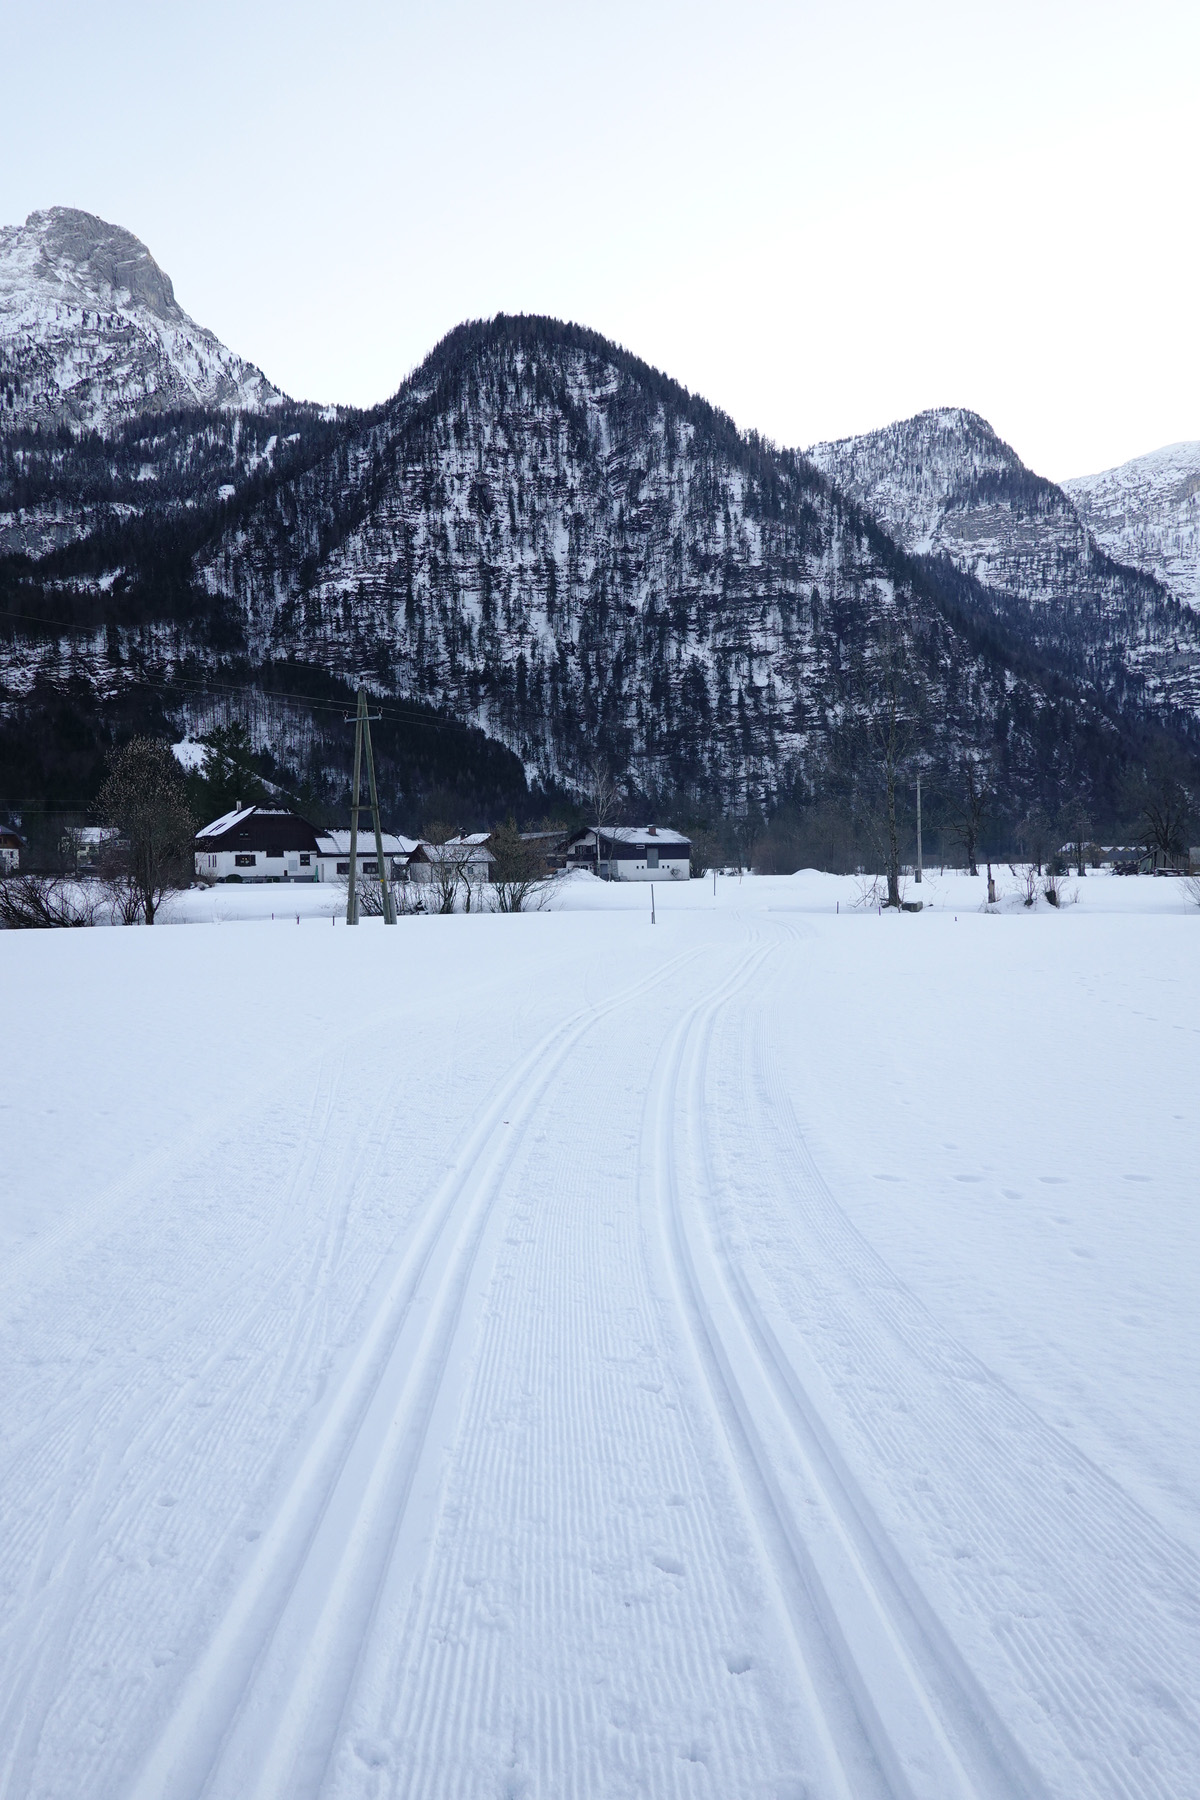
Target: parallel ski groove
x,y
217,1687
928,1724
876,1341
560,1430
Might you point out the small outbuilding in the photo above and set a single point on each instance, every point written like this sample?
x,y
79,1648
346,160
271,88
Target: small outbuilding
x,y
632,853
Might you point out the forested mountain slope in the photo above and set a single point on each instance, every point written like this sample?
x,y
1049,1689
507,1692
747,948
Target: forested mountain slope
x,y
545,540
944,484
544,534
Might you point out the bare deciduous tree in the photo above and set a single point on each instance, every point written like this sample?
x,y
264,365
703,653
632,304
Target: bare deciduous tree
x,y
448,866
892,706
602,798
970,797
520,878
145,799
1161,797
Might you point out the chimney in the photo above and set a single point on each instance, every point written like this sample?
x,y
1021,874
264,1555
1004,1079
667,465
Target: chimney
x,y
652,830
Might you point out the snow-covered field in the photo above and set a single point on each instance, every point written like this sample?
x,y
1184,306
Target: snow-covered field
x,y
754,1355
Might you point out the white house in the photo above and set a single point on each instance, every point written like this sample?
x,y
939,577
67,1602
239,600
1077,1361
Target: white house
x,y
257,843
468,854
333,854
11,845
632,853
84,845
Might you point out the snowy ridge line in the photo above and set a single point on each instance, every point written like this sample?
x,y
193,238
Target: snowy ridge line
x,y
272,1684
125,1417
929,1729
1040,1517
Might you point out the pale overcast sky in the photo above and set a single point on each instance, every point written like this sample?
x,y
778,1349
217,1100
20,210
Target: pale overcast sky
x,y
820,216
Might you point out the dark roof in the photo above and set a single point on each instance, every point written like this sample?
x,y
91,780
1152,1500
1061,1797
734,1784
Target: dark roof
x,y
257,828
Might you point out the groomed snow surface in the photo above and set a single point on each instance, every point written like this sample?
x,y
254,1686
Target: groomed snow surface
x,y
753,1355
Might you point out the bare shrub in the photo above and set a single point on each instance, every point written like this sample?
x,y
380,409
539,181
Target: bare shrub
x,y
44,902
870,891
520,879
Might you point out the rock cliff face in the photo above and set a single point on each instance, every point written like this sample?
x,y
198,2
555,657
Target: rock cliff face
x,y
943,484
91,332
1147,514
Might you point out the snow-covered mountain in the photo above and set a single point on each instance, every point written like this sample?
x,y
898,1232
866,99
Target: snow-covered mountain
x,y
544,537
91,332
1147,514
546,541
944,484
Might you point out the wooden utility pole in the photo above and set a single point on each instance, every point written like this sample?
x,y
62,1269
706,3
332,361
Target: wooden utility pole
x,y
362,732
352,885
918,828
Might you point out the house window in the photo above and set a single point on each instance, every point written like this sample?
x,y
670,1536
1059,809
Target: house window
x,y
305,859
343,868
244,862
652,859
370,868
278,853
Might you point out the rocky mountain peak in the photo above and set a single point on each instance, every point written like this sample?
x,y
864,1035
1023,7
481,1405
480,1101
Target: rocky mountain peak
x,y
91,332
86,259
1147,513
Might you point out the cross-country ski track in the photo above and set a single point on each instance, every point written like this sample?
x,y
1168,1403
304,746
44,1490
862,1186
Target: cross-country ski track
x,y
503,1402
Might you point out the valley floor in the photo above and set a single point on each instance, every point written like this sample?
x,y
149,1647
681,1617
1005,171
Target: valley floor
x,y
560,1357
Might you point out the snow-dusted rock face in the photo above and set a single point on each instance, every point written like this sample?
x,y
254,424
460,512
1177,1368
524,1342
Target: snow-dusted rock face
x,y
943,483
91,332
1147,514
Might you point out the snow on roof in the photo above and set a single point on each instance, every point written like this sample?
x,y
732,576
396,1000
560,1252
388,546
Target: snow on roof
x,y
471,849
641,834
225,821
337,843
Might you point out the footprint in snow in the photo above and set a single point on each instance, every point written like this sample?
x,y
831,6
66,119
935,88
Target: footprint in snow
x,y
668,1565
